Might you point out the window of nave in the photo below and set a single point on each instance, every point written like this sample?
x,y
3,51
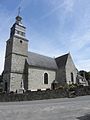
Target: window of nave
x,y
45,78
72,78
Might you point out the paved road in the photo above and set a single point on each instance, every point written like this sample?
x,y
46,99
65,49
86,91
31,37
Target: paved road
x,y
55,109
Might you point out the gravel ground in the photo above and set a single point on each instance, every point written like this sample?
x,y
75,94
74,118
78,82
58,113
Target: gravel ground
x,y
54,109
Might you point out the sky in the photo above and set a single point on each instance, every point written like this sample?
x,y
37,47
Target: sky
x,y
53,28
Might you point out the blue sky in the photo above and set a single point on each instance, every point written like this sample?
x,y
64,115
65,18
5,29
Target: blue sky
x,y
54,27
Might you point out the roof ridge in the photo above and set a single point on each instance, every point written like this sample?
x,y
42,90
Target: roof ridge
x,y
63,55
40,54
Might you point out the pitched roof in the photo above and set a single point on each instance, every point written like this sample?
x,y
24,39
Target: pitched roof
x,y
61,61
37,60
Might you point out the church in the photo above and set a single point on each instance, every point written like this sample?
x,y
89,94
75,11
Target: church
x,y
24,70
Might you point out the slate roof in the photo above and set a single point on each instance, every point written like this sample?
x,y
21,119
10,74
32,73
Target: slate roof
x,y
37,60
61,61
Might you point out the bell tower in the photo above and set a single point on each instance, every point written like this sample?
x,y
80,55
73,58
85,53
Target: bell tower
x,y
16,55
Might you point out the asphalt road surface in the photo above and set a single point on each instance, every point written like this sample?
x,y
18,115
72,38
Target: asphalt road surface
x,y
55,109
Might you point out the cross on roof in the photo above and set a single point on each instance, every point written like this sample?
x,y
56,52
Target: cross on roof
x,y
19,10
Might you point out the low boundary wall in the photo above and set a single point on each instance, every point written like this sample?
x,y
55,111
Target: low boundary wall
x,y
48,94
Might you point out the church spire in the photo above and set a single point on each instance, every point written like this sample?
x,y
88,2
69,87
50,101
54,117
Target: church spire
x,y
19,10
18,28
18,17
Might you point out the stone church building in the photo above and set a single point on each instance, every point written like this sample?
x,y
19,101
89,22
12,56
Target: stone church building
x,y
31,71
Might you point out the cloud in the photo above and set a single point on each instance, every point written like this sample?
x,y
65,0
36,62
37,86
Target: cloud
x,y
84,64
54,9
23,4
80,41
68,5
79,44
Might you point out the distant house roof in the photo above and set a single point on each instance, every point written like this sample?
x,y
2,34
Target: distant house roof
x,y
79,76
61,61
37,60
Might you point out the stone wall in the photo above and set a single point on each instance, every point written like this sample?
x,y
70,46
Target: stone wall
x,y
36,78
9,45
18,63
48,94
6,79
33,95
15,81
61,76
70,68
20,46
81,91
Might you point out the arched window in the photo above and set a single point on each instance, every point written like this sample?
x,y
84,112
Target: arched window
x,y
45,78
72,79
5,86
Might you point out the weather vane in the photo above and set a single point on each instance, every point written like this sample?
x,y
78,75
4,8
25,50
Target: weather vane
x,y
19,10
